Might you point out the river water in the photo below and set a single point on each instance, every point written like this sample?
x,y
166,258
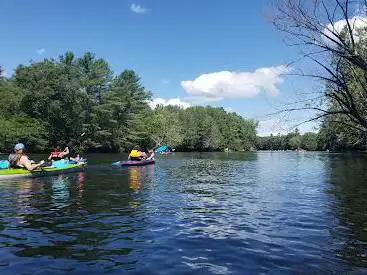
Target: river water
x,y
191,213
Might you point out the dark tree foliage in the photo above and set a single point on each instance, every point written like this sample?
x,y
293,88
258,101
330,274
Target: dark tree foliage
x,y
76,101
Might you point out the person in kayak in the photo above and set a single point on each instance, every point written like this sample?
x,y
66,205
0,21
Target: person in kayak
x,y
136,154
57,154
20,160
151,157
77,159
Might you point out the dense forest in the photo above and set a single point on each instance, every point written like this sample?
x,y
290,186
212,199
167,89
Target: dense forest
x,y
79,102
330,137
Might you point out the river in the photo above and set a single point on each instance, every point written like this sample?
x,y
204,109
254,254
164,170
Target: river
x,y
191,213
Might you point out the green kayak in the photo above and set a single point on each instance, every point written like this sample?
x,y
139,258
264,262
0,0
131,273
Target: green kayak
x,y
6,174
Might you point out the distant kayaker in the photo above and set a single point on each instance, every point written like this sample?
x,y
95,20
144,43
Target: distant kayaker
x,y
136,154
77,159
20,160
57,154
151,152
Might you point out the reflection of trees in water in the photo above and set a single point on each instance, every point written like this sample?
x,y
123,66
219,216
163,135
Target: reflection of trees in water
x,y
77,217
240,156
348,176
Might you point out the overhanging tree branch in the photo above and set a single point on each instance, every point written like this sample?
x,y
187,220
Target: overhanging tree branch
x,y
337,51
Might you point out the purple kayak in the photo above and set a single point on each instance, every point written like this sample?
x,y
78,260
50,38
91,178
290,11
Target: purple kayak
x,y
135,162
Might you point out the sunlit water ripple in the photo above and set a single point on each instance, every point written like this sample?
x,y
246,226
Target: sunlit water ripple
x,y
209,213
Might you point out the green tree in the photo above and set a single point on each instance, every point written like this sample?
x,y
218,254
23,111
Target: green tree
x,y
295,142
309,141
121,112
53,96
95,74
22,129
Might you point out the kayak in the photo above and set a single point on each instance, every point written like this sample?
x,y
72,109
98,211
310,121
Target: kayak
x,y
134,162
6,174
4,164
161,149
58,163
63,162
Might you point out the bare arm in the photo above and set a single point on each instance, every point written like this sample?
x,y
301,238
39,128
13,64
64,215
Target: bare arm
x,y
151,155
28,165
64,153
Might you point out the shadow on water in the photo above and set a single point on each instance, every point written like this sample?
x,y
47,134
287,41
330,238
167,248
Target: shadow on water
x,y
348,174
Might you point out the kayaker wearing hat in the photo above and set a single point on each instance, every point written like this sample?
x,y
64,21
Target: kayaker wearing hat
x,y
20,160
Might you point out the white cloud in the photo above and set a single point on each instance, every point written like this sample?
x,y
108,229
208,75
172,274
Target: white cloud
x,y
138,8
172,101
230,85
276,126
200,100
357,23
272,126
41,51
229,110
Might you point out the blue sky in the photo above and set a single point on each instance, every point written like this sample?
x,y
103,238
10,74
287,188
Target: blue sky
x,y
197,52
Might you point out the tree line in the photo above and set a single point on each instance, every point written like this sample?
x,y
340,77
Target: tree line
x,y
326,139
79,102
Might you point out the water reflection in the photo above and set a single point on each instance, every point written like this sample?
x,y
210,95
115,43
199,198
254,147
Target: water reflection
x,y
60,192
236,156
53,219
348,176
138,174
278,213
81,179
134,182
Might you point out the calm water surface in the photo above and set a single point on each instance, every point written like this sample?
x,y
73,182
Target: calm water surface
x,y
209,213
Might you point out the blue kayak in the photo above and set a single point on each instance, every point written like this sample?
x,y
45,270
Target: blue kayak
x,y
4,164
161,149
57,164
63,162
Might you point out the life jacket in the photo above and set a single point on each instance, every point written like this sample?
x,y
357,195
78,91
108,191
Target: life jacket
x,y
134,154
55,156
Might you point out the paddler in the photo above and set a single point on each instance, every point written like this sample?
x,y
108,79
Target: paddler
x,y
151,152
57,154
20,160
136,154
